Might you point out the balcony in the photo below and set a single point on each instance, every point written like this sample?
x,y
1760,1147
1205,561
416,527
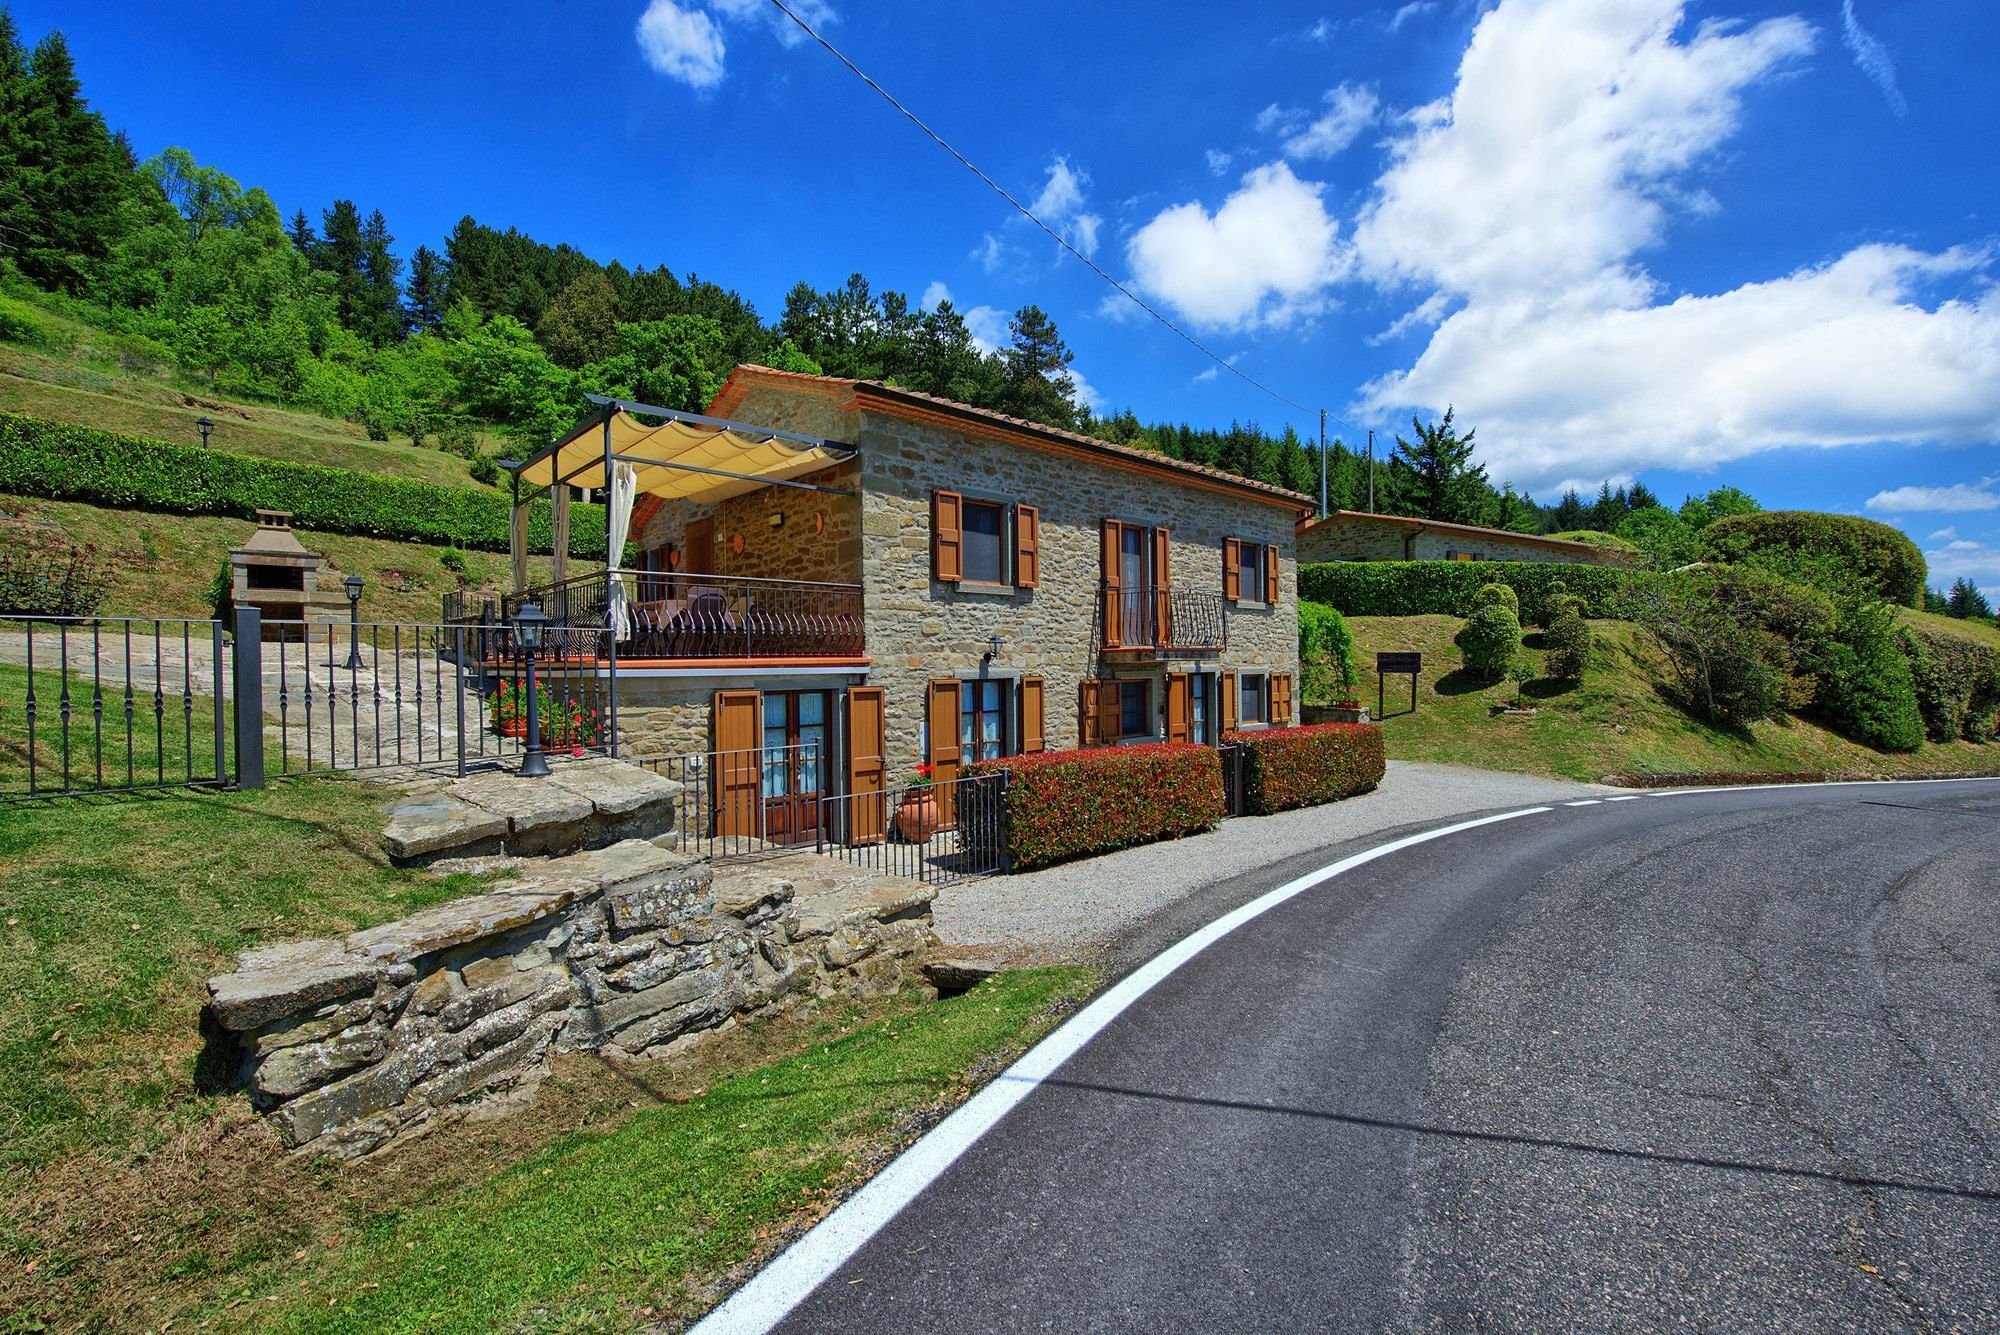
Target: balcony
x,y
1169,620
702,617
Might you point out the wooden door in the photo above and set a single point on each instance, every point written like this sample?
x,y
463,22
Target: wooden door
x,y
699,559
738,722
867,816
796,738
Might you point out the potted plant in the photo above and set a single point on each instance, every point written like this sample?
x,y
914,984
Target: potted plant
x,y
917,816
510,710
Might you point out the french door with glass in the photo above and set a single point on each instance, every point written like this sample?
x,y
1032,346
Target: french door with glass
x,y
796,763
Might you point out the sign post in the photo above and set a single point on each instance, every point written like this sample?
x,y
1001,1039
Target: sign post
x,y
1385,664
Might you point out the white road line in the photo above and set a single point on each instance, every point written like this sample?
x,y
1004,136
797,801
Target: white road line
x,y
775,1290
1586,802
1629,797
782,1285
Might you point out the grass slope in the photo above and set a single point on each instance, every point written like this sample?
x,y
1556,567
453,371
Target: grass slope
x,y
161,565
1616,722
94,390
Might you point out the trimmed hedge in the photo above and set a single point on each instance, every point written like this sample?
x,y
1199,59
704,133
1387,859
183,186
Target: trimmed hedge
x,y
61,462
1303,767
1447,588
1064,804
1957,682
1794,542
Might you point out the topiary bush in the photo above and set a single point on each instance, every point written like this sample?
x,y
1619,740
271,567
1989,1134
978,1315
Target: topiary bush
x,y
1957,681
1447,588
1064,804
1837,551
1326,653
1488,640
58,461
1503,594
1568,642
1299,767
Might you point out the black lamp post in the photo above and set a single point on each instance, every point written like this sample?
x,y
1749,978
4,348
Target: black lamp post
x,y
205,426
353,586
528,622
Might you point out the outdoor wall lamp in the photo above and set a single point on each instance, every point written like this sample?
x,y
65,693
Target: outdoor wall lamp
x,y
204,425
353,586
994,645
529,619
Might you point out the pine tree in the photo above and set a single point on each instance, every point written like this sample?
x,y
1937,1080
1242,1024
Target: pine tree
x,y
423,307
340,253
1966,601
70,176
1441,481
300,230
381,313
1604,511
1038,385
1571,513
1640,497
14,223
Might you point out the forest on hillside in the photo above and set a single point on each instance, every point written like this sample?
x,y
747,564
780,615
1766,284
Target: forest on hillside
x,y
185,267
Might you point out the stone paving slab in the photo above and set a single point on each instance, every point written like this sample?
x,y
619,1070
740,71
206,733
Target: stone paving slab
x,y
422,824
580,803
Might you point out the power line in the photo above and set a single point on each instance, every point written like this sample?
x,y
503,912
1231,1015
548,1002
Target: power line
x,y
1025,212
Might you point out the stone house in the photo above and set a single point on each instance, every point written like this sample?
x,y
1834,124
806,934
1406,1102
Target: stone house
x,y
869,580
1352,535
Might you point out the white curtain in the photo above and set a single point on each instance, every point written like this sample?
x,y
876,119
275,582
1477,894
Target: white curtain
x,y
624,489
559,534
517,546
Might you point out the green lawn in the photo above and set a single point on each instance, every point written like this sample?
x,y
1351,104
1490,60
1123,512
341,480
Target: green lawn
x,y
1616,722
168,740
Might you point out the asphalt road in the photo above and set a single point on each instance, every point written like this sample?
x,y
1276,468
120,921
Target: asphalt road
x,y
1727,1060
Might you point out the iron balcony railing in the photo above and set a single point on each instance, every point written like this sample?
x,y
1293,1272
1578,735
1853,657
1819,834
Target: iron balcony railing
x,y
671,615
1169,619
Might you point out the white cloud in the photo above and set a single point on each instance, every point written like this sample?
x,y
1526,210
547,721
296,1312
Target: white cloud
x,y
1086,393
1218,161
1958,498
1265,257
1351,108
1322,30
1942,534
1550,163
1415,9
1203,377
683,44
1872,57
1060,205
1275,117
1976,561
1425,316
815,12
988,327
990,254
934,296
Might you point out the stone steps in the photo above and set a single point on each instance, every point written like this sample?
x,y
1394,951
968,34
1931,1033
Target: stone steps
x,y
583,803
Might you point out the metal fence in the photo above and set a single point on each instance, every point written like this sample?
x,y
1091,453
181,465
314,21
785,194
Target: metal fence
x,y
110,704
1234,756
770,801
674,615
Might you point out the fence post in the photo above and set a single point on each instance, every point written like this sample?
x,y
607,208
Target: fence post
x,y
221,741
458,675
1000,825
249,663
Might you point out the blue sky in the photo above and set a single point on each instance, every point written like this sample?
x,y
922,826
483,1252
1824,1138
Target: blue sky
x,y
1687,243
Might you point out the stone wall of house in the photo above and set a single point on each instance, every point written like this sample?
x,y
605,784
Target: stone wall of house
x,y
347,1044
919,629
1358,538
820,539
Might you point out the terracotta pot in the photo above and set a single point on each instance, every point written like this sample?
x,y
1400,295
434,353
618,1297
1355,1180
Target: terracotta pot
x,y
917,817
512,727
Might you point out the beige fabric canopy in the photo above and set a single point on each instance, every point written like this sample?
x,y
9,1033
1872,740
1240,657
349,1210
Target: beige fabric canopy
x,y
665,458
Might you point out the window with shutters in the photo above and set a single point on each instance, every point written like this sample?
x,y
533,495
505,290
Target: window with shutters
x,y
983,732
1250,568
1253,699
985,538
1135,715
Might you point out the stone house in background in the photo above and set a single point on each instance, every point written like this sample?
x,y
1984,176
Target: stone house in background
x,y
1353,535
893,580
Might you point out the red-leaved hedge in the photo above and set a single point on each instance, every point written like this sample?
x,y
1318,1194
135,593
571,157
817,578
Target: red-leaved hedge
x,y
1063,804
1302,767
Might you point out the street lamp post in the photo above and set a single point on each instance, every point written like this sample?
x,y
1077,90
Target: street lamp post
x,y
353,586
205,426
528,622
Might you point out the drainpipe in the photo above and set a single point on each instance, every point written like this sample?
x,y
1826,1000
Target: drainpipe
x,y
1410,543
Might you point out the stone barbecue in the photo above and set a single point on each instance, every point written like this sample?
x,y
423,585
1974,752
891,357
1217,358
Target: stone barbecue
x,y
274,573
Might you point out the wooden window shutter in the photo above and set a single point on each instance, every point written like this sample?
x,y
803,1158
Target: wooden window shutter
x,y
947,536
866,805
1163,578
1034,736
1281,697
1232,569
739,779
1114,602
1177,707
1271,574
1086,712
1027,546
1110,712
941,714
1225,690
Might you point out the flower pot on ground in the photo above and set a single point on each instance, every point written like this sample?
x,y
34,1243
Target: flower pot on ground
x,y
917,816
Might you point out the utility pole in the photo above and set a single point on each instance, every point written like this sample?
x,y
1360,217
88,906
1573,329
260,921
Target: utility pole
x,y
1322,463
1371,470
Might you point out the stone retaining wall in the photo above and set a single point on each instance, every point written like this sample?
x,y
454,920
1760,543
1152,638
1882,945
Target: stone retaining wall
x,y
347,1044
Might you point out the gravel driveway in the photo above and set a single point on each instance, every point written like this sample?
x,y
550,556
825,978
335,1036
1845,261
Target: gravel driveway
x,y
1072,913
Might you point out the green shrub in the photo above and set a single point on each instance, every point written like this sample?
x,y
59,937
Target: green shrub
x,y
48,575
1503,594
1569,647
1299,767
1866,691
1488,640
222,590
1447,588
57,461
23,325
1957,681
1834,551
1326,653
1724,663
1063,804
485,471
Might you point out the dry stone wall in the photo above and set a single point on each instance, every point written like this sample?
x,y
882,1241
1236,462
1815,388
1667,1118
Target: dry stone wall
x,y
347,1044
